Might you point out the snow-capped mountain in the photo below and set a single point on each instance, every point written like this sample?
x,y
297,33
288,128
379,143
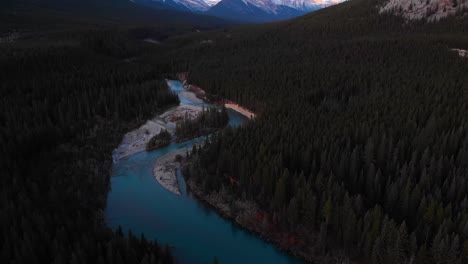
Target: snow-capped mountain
x,y
246,10
259,11
306,5
271,6
212,2
194,5
266,10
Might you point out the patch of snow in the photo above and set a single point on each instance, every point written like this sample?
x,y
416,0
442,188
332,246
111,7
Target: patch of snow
x,y
307,5
271,6
266,5
194,5
212,2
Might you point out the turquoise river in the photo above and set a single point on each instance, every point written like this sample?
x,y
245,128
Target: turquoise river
x,y
195,232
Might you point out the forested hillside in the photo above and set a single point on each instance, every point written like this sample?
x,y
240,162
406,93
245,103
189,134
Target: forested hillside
x,y
69,90
360,146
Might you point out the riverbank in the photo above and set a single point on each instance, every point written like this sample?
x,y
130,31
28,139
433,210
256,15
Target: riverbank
x,y
201,94
165,170
240,109
136,140
248,215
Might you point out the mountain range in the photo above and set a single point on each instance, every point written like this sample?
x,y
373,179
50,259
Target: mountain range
x,y
243,10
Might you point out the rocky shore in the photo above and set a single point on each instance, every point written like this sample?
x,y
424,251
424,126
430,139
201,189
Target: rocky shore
x,y
136,141
165,170
249,216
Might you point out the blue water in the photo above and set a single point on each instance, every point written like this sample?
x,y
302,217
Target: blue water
x,y
197,233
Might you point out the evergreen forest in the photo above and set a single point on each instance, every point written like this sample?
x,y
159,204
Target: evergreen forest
x,y
359,147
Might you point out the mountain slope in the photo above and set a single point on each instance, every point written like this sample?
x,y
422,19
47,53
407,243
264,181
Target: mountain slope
x,y
243,10
266,10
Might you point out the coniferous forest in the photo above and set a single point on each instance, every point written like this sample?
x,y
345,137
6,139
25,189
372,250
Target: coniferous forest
x,y
207,122
63,110
69,91
160,140
361,142
359,147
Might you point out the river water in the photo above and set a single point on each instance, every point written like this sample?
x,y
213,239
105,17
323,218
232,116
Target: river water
x,y
195,232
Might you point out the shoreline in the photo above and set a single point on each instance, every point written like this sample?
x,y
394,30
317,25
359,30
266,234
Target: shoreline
x,y
221,204
165,170
202,95
136,140
240,109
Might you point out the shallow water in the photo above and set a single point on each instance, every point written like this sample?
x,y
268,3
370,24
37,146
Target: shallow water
x,y
197,233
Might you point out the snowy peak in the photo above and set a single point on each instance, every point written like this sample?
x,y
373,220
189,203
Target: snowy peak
x,y
244,10
306,5
255,10
186,5
280,6
271,6
212,2
193,5
266,5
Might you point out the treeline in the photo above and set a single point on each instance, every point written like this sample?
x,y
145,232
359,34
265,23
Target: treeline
x,y
361,141
160,140
63,109
208,121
